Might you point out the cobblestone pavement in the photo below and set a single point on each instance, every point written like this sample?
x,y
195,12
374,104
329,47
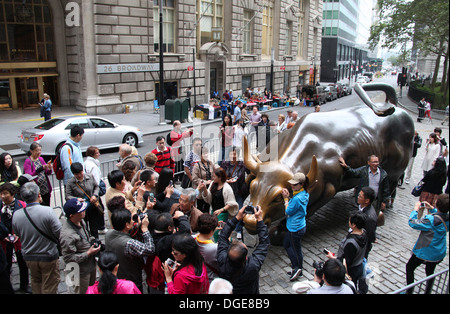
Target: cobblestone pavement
x,y
328,226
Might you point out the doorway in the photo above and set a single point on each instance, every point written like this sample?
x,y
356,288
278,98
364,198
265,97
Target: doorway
x,y
27,92
216,78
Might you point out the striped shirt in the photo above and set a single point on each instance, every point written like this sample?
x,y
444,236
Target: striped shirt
x,y
164,159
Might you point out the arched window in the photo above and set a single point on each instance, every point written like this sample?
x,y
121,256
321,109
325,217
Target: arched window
x,y
26,32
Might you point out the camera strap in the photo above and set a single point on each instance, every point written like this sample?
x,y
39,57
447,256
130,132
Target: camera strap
x,y
52,239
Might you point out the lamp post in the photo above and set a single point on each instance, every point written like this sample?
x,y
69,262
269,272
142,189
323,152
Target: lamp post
x,y
271,69
162,119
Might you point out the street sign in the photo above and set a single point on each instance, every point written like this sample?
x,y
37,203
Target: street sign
x,y
190,68
127,68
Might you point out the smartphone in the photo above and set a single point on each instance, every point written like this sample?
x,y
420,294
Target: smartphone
x,y
170,262
326,251
422,205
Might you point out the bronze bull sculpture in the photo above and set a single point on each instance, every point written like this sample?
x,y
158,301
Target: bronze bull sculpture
x,y
314,145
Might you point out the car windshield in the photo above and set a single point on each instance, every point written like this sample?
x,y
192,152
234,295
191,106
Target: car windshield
x,y
47,125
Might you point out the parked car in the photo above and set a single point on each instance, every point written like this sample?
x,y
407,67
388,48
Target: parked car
x,y
331,92
314,95
340,90
98,132
347,89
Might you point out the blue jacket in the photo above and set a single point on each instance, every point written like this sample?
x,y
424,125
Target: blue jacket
x,y
296,212
68,157
432,243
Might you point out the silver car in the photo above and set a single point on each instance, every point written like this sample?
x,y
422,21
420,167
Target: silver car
x,y
98,132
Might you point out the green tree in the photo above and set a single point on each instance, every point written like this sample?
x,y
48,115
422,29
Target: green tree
x,y
424,22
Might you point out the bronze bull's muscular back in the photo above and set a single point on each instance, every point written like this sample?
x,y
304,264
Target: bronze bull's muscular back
x,y
314,145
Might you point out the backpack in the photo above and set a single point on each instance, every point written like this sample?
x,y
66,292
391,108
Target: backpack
x,y
57,167
169,139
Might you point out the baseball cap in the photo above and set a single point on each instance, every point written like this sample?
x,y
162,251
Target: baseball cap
x,y
74,206
297,178
24,178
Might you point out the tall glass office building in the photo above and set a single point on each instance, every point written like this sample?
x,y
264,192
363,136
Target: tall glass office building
x,y
344,34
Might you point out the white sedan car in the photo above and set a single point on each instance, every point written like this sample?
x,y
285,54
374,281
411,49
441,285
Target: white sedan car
x,y
98,132
361,80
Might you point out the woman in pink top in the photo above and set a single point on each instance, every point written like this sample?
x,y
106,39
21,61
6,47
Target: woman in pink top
x,y
108,263
189,274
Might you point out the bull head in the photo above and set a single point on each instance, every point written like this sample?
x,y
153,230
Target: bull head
x,y
267,181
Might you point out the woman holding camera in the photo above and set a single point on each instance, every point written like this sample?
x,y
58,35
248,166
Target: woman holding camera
x,y
431,246
35,165
188,275
296,221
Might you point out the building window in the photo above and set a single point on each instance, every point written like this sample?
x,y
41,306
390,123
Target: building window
x,y
168,27
246,82
301,27
210,14
267,28
247,45
288,38
26,32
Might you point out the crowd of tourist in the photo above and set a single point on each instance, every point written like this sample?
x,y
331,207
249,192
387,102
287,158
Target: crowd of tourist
x,y
179,234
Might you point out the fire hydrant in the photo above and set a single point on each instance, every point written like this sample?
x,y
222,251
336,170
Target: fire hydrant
x,y
127,109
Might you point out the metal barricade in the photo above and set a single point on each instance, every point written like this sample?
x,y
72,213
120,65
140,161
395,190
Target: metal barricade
x,y
434,284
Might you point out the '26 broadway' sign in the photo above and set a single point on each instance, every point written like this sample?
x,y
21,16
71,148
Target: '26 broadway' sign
x,y
127,68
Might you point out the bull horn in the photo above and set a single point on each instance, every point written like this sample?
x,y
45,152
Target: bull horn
x,y
313,173
379,109
249,162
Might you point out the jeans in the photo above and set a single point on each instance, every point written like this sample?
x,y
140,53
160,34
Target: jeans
x,y
293,245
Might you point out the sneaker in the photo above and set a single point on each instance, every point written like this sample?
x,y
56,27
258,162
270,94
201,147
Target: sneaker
x,y
103,231
295,274
369,273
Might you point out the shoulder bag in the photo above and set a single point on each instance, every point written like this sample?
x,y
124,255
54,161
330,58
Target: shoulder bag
x,y
417,190
97,204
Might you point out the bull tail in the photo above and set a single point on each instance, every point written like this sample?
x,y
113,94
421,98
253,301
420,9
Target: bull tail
x,y
379,109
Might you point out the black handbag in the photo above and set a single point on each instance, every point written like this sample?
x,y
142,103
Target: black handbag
x,y
417,190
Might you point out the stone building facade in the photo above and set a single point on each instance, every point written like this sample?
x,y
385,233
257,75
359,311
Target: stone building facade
x,y
106,52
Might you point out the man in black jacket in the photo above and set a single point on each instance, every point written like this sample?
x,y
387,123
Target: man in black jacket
x,y
373,176
235,264
365,199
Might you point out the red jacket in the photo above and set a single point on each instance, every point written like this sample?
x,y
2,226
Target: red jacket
x,y
185,281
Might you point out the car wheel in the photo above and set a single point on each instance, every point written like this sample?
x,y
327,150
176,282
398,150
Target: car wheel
x,y
130,139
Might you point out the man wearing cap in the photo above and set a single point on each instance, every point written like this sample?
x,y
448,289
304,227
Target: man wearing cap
x,y
76,246
295,221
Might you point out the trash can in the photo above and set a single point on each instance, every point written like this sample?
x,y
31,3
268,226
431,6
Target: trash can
x,y
184,109
172,109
